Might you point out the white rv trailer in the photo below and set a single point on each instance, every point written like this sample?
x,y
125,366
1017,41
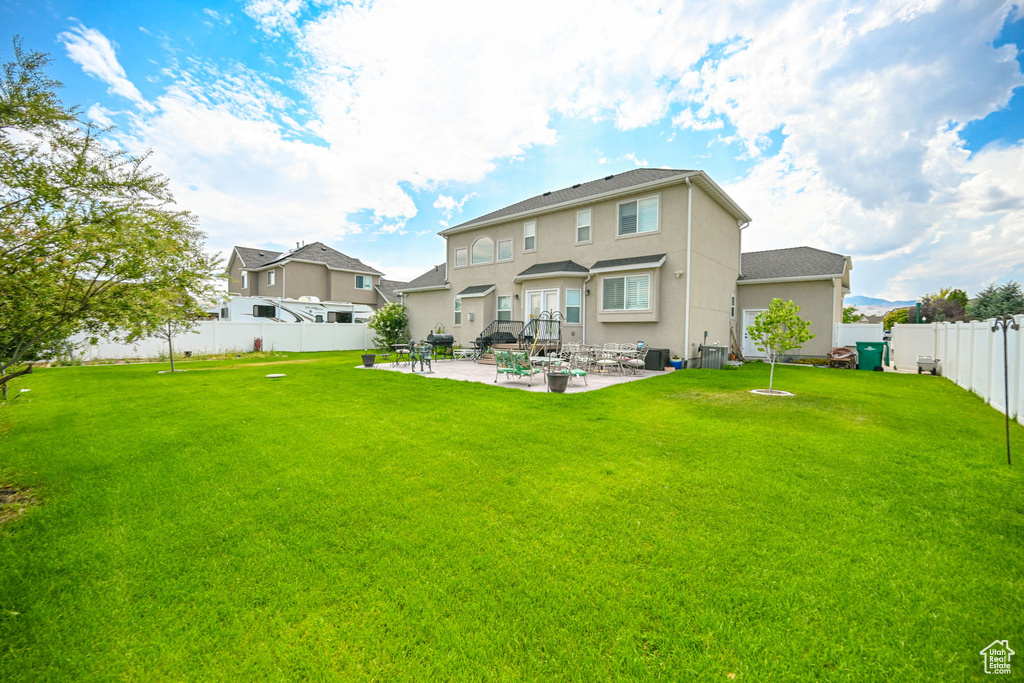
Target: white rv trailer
x,y
307,309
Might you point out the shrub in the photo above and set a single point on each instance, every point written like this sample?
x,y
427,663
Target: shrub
x,y
389,324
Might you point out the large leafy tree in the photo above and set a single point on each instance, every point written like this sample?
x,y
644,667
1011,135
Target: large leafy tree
x,y
778,330
90,238
946,305
997,300
851,314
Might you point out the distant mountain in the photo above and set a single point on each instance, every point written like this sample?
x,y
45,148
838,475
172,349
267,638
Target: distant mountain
x,y
872,306
871,301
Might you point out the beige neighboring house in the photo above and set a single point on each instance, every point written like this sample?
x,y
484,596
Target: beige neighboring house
x,y
312,270
815,280
649,254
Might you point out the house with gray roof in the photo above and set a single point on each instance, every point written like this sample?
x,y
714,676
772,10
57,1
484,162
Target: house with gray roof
x,y
649,254
313,271
814,279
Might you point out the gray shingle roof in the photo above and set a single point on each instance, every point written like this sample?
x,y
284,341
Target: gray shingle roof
x,y
554,267
389,289
629,261
610,183
435,277
321,253
254,258
792,262
476,289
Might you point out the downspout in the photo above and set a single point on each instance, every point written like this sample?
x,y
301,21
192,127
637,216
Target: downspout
x,y
284,287
689,251
737,315
584,313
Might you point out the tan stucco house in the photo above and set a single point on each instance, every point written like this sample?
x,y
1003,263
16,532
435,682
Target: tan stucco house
x,y
649,254
312,270
814,279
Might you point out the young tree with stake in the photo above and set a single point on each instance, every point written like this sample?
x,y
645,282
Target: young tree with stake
x,y
777,330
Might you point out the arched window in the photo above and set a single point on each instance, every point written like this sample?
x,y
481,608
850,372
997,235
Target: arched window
x,y
483,250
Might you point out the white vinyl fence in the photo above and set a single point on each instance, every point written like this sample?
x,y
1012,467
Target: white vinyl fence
x,y
217,336
848,334
970,354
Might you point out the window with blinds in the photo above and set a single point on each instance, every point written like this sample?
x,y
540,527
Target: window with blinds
x,y
639,216
530,236
583,225
628,293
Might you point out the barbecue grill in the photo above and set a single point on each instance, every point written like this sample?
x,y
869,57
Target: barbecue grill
x,y
442,344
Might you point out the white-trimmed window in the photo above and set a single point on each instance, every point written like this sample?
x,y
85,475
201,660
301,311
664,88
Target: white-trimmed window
x,y
461,257
505,307
530,236
505,250
627,293
458,311
271,277
583,226
572,305
732,307
638,216
364,282
483,251
245,280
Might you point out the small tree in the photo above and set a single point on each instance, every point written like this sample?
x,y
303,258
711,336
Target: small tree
x,y
851,315
777,330
90,238
899,315
995,301
389,324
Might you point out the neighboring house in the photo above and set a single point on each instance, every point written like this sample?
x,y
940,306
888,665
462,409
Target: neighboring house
x,y
815,280
312,271
650,254
387,291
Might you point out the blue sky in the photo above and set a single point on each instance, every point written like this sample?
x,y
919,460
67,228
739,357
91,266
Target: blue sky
x,y
891,131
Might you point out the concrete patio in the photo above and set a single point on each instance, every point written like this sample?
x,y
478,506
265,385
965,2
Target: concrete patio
x,y
471,371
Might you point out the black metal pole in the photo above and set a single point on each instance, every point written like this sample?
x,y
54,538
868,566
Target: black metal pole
x,y
1006,322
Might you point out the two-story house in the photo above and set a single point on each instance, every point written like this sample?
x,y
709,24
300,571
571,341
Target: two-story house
x,y
650,254
312,270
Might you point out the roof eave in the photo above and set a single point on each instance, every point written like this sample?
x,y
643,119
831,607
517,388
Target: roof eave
x,y
478,294
590,199
797,278
541,276
632,266
423,289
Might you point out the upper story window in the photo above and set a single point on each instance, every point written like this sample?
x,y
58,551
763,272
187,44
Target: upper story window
x,y
583,226
364,282
530,236
505,250
628,293
483,251
271,277
638,216
245,280
460,257
505,307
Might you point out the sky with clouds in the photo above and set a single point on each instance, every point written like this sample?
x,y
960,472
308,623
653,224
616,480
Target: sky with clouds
x,y
890,131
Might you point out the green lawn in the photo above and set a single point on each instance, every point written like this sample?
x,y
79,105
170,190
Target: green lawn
x,y
345,523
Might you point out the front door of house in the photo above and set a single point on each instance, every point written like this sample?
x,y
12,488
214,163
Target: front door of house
x,y
749,350
537,302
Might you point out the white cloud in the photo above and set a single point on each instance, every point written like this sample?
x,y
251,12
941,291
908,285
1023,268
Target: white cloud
x,y
449,205
91,50
869,99
275,17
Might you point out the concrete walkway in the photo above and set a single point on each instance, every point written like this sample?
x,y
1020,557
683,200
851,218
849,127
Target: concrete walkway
x,y
471,371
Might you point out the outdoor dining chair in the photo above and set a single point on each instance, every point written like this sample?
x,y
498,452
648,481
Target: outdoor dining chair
x,y
636,361
609,359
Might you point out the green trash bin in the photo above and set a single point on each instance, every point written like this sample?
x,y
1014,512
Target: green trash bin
x,y
870,354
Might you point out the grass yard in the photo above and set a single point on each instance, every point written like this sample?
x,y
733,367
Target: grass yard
x,y
345,523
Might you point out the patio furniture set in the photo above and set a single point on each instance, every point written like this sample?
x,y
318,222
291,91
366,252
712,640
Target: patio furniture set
x,y
572,362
